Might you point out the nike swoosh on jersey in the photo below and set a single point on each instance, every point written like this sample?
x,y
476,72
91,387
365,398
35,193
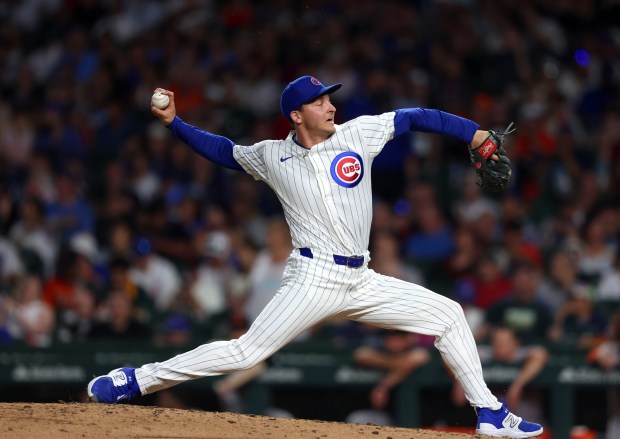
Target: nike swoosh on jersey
x,y
283,159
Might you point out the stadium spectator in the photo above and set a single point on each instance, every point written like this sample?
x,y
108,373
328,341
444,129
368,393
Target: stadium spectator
x,y
175,331
119,242
387,258
30,234
12,267
433,238
32,318
578,322
74,325
398,355
59,290
467,252
486,287
505,348
517,249
521,311
121,280
473,202
609,285
560,281
211,283
155,274
596,255
71,212
117,320
268,268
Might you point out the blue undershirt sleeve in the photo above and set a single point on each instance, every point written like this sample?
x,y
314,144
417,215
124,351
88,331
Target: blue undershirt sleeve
x,y
218,149
434,121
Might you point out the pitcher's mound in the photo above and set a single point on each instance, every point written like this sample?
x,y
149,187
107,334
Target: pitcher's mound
x,y
75,420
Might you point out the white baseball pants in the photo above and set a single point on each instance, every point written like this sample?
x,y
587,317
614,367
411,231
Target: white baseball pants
x,y
313,290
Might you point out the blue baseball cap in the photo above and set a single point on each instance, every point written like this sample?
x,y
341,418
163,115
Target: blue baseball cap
x,y
301,91
142,246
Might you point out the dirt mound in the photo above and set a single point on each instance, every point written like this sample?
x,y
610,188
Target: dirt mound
x,y
76,420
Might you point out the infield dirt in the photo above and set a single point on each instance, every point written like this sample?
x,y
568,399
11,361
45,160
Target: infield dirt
x,y
86,420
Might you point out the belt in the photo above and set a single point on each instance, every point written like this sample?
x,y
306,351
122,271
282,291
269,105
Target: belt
x,y
347,261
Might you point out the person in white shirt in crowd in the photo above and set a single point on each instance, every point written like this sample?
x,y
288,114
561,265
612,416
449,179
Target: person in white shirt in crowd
x,y
32,319
155,274
268,268
609,285
596,254
11,267
30,233
211,283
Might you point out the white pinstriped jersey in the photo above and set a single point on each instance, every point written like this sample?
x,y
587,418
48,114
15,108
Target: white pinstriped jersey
x,y
326,195
326,190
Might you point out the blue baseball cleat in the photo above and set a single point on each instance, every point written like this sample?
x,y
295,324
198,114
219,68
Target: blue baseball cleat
x,y
118,385
502,423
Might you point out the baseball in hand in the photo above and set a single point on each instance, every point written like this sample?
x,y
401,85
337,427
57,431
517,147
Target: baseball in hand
x,y
160,100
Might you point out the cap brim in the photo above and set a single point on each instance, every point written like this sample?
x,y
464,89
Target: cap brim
x,y
326,91
332,88
329,90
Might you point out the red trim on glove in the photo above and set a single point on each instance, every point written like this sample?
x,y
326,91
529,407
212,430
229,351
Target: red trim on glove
x,y
487,148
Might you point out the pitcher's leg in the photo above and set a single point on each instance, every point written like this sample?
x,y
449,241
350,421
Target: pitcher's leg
x,y
395,304
289,313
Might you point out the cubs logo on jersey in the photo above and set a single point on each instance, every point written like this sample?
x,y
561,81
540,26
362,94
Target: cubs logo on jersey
x,y
347,169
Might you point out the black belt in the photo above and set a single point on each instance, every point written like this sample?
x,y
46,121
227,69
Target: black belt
x,y
347,261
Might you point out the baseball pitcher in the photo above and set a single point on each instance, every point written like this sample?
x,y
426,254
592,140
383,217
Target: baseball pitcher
x,y
321,175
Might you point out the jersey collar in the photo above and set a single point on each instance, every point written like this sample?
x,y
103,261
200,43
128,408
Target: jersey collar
x,y
292,135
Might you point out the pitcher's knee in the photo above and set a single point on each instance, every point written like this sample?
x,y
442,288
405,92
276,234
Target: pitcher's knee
x,y
454,306
455,312
245,357
245,363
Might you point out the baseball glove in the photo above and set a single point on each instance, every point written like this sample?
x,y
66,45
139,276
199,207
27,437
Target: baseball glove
x,y
492,174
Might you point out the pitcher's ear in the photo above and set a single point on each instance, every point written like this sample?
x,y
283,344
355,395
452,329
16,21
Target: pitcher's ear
x,y
296,116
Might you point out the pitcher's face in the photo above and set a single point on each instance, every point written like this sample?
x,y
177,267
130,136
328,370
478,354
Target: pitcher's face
x,y
317,116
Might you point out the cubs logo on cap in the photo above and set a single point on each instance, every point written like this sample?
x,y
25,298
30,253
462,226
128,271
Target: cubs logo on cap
x,y
301,91
347,169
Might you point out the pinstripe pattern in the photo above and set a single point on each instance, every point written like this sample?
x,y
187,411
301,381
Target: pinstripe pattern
x,y
395,304
329,218
320,213
314,290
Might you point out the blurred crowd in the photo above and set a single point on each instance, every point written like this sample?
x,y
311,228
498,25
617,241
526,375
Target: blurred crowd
x,y
112,229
